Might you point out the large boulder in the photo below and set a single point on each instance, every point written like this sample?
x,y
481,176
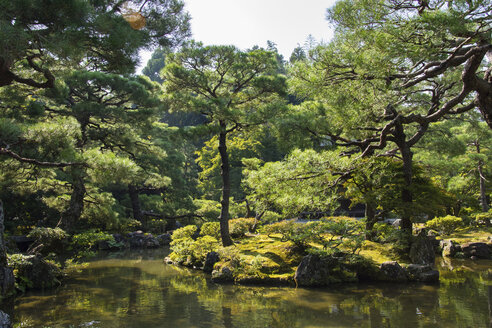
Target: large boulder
x,y
422,273
479,250
422,250
5,320
7,281
393,272
449,248
322,271
210,260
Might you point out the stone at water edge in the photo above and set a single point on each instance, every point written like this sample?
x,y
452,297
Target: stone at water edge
x,y
479,250
5,320
449,248
210,260
222,275
422,273
392,271
422,250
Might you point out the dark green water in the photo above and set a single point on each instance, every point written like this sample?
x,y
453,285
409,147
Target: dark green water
x,y
139,290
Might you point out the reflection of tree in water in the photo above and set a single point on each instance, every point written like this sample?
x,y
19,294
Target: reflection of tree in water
x,y
134,284
133,294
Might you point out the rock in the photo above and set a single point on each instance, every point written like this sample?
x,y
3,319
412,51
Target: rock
x,y
5,320
392,271
422,273
138,239
222,275
449,248
316,271
118,238
7,281
164,239
210,260
422,250
480,250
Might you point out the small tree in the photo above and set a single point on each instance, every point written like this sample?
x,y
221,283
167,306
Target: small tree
x,y
233,89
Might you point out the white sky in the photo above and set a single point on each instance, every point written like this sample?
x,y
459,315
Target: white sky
x,y
246,23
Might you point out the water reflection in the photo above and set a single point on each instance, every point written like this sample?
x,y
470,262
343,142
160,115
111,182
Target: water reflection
x,y
139,290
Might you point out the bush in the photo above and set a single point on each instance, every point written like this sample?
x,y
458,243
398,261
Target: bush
x,y
201,247
187,251
270,217
446,224
186,232
85,243
211,229
181,250
239,227
483,219
48,239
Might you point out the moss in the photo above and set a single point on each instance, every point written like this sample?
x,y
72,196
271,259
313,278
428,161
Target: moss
x,y
471,235
377,252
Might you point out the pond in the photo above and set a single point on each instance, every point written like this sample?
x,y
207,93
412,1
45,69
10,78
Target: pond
x,y
136,289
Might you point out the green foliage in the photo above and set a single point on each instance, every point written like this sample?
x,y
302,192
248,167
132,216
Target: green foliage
x,y
384,232
182,251
210,229
445,225
208,159
239,227
332,234
186,250
48,239
47,235
185,232
209,209
84,244
483,219
201,247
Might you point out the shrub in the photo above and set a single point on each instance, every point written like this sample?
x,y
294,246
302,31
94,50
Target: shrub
x,y
270,217
211,229
201,247
445,225
188,231
85,243
48,239
192,252
239,227
181,250
483,219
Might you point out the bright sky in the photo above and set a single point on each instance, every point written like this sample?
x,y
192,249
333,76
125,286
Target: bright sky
x,y
246,23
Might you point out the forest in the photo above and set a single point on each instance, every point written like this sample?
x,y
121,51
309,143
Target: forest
x,y
233,148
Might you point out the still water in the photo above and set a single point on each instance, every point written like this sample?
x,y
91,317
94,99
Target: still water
x,y
138,290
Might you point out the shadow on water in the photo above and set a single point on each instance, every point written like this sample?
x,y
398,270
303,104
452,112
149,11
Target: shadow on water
x,y
138,290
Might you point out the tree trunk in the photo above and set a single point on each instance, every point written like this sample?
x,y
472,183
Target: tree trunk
x,y
406,192
76,206
137,211
226,187
7,279
370,220
483,192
